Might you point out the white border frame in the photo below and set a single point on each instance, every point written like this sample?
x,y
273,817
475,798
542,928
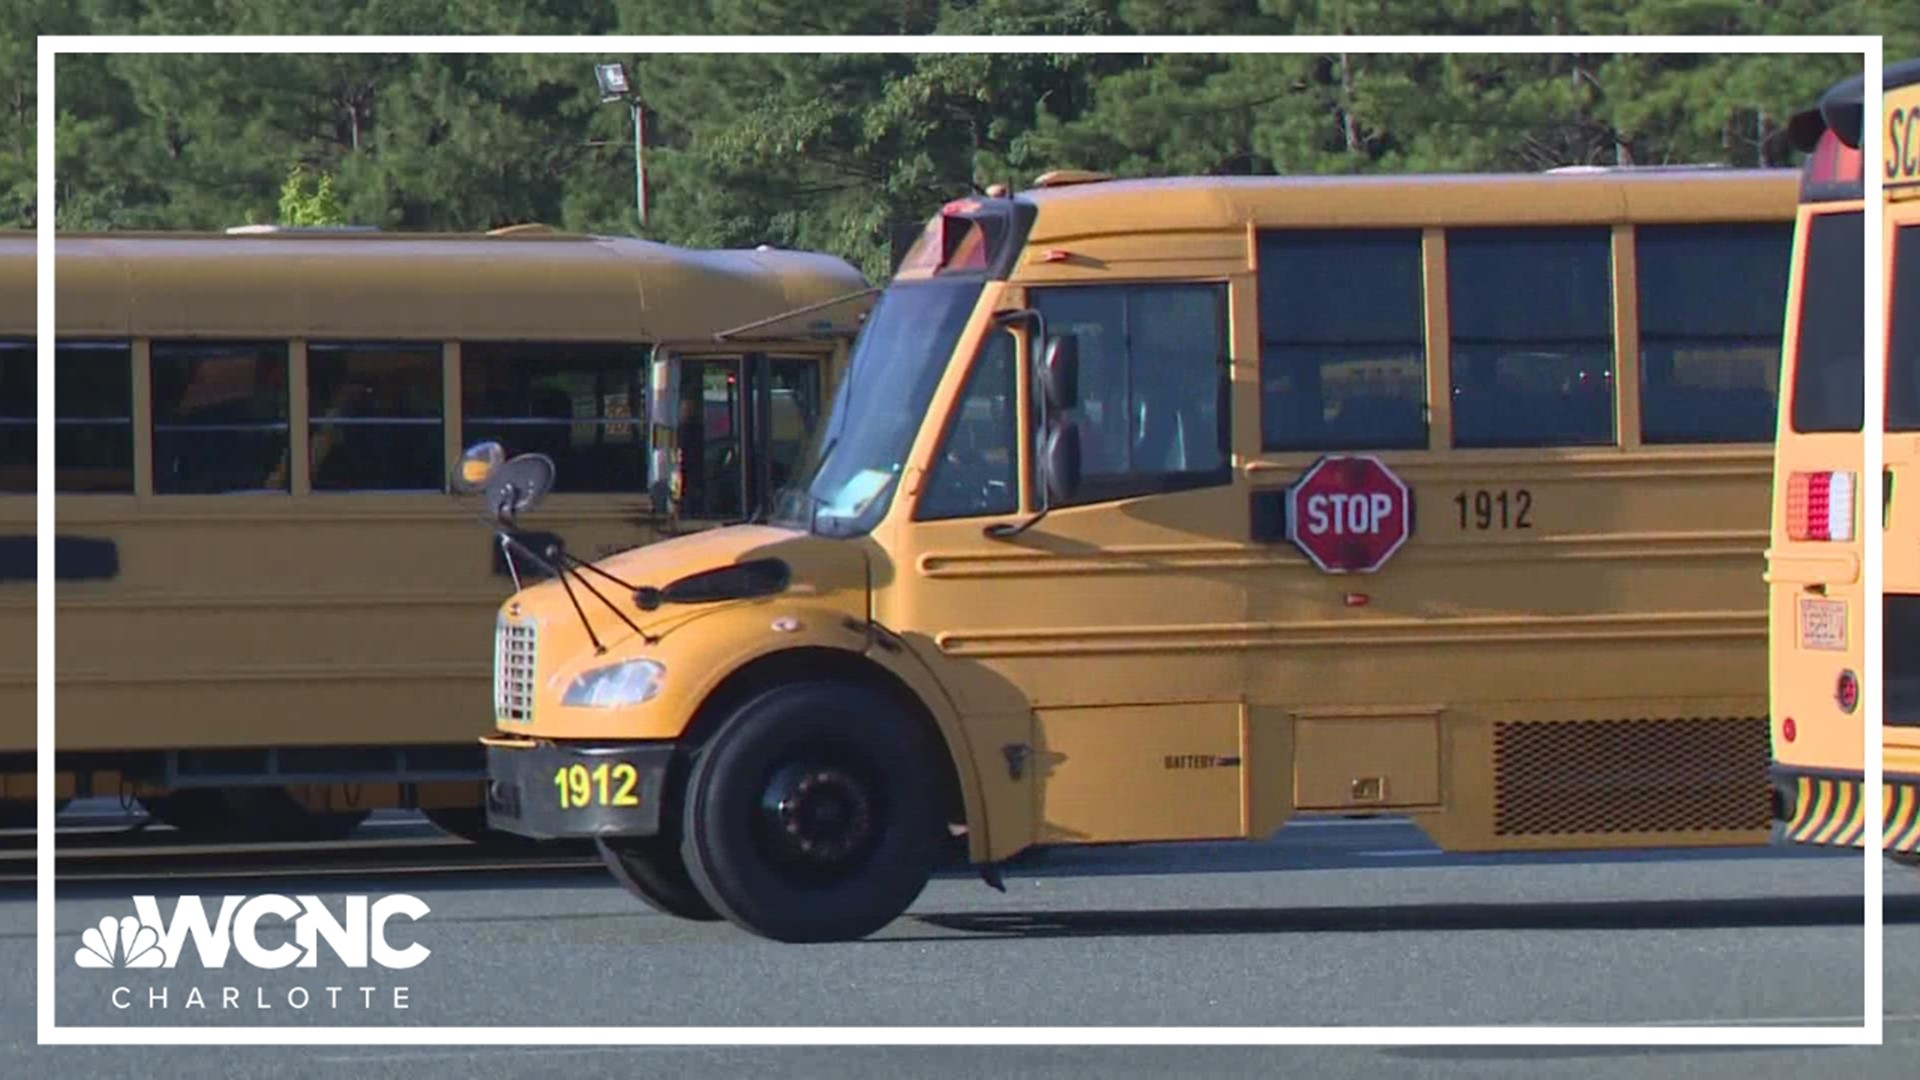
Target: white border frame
x,y
1870,1033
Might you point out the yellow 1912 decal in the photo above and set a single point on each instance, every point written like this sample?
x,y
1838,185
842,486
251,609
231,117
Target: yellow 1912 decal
x,y
602,785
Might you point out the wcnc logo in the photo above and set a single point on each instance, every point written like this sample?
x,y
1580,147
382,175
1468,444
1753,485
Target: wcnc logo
x,y
359,936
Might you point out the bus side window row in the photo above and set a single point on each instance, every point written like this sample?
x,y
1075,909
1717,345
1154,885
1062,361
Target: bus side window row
x,y
376,418
1343,316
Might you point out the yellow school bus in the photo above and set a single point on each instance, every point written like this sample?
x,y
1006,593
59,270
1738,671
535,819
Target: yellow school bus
x,y
1163,510
1814,565
266,597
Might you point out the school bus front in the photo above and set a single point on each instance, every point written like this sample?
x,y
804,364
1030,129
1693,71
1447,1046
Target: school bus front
x,y
1166,510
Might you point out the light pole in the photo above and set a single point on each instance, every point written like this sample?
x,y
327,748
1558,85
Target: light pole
x,y
612,79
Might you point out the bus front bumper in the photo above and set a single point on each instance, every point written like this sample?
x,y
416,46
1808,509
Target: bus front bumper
x,y
1826,807
553,791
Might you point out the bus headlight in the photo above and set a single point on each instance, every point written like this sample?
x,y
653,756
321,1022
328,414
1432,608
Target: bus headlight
x,y
627,683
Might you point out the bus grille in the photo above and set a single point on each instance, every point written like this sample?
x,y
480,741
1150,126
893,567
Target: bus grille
x,y
514,648
1631,776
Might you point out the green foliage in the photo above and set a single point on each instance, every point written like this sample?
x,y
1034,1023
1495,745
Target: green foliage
x,y
304,203
850,153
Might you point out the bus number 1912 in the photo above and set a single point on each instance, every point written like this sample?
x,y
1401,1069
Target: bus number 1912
x,y
1481,509
600,786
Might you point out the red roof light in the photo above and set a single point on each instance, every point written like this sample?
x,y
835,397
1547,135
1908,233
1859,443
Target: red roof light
x,y
1832,164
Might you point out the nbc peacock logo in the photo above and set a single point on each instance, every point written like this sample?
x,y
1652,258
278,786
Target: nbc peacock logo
x,y
120,943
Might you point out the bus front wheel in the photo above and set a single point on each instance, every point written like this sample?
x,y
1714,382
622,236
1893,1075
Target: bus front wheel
x,y
812,814
651,869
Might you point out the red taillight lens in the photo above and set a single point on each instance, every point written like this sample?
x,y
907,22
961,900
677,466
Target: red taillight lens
x,y
1820,506
1846,692
1788,729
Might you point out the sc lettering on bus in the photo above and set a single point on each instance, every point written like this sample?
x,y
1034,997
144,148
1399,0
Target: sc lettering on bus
x,y
1903,145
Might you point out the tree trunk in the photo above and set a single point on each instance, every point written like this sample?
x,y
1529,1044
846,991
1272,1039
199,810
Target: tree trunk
x,y
1350,126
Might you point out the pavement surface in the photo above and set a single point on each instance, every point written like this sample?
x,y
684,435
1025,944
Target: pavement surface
x,y
1333,922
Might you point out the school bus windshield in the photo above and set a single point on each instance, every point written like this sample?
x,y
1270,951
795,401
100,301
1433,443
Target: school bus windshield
x,y
847,480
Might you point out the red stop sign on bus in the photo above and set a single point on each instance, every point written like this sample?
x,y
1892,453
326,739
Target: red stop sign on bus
x,y
1349,513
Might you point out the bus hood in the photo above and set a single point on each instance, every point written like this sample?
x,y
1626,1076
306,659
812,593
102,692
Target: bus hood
x,y
688,577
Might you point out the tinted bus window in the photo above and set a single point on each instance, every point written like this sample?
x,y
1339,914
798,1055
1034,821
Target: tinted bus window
x,y
219,417
1532,332
1712,299
375,420
1343,361
1903,335
581,405
1153,385
977,470
17,416
93,417
1829,389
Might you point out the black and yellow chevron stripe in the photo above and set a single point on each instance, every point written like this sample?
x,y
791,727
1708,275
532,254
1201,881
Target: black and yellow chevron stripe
x,y
1830,811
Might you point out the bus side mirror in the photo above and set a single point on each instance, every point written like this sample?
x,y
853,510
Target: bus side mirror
x,y
1060,373
1063,462
476,467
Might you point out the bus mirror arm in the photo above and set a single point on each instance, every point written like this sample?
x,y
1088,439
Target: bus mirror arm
x,y
564,565
1007,530
1059,477
1030,320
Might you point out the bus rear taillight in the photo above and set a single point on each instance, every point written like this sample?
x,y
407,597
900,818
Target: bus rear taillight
x,y
1820,506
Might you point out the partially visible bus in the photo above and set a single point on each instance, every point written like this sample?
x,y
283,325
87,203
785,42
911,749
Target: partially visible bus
x,y
1168,509
1816,558
272,613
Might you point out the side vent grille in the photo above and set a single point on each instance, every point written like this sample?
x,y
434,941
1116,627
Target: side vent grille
x,y
1631,776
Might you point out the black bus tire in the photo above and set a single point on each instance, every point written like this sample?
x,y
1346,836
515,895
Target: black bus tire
x,y
812,814
651,869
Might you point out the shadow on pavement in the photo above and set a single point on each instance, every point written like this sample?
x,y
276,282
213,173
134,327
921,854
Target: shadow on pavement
x,y
1739,913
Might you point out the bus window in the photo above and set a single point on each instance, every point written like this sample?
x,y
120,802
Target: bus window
x,y
219,417
93,409
976,472
1712,299
1342,357
712,472
796,406
574,403
1829,392
1153,385
1903,334
17,415
1532,332
376,417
